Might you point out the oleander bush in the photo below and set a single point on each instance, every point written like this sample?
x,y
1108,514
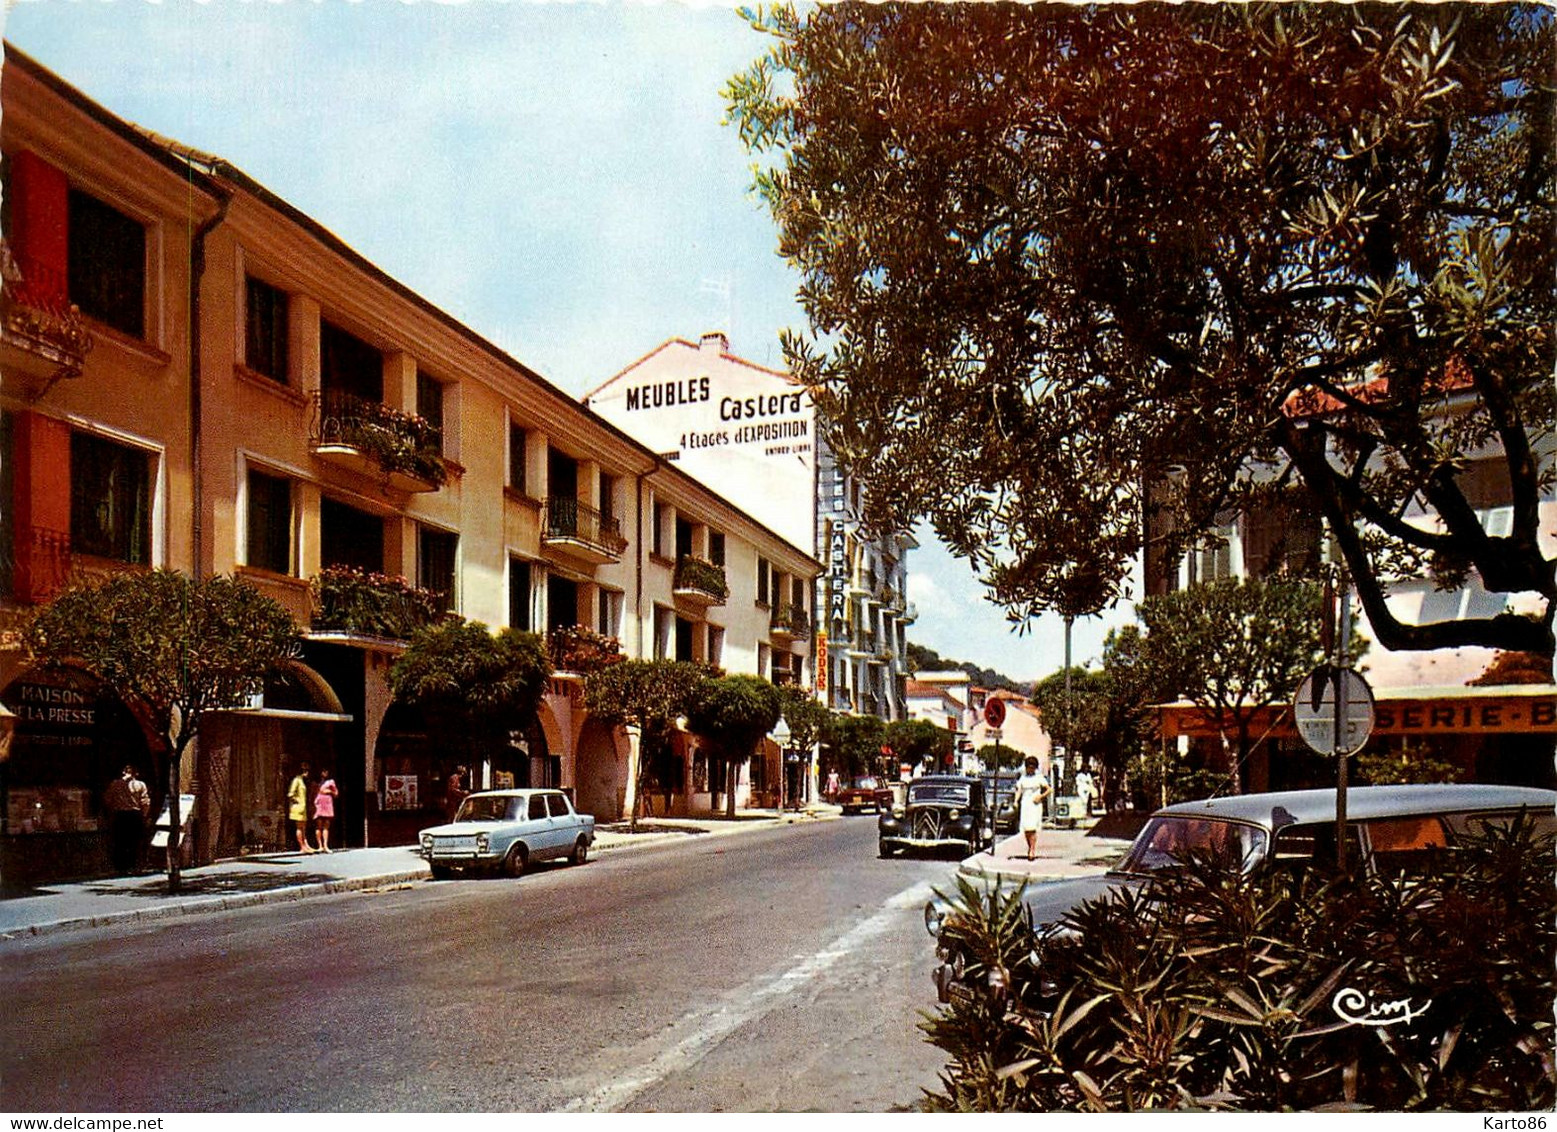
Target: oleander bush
x,y
1215,990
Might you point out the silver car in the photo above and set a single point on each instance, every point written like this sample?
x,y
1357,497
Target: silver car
x,y
1388,828
508,829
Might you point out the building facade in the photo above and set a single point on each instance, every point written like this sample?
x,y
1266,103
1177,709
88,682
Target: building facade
x,y
751,432
196,375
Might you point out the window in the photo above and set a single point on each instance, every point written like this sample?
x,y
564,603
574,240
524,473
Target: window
x,y
349,537
661,520
764,660
683,538
518,450
349,365
558,803
519,594
797,594
607,499
715,655
562,603
664,627
269,523
106,264
435,552
763,572
537,807
265,330
110,499
684,639
716,547
610,613
429,404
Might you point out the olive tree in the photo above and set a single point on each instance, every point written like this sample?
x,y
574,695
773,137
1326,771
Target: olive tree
x,y
172,648
734,713
649,695
1084,277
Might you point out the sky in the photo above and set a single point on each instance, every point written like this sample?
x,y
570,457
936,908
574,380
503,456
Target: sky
x,y
557,176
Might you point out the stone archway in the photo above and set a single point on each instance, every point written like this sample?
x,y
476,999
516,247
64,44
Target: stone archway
x,y
600,776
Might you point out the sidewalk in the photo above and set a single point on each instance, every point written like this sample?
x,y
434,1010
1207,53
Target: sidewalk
x,y
1062,854
272,878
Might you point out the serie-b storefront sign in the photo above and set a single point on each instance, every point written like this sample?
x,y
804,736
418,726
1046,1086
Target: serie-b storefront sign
x,y
1481,716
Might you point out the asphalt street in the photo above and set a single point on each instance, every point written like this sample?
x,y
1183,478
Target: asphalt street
x,y
779,970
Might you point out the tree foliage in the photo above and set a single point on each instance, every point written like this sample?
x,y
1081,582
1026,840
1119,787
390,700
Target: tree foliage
x,y
915,740
649,695
172,648
854,744
734,713
473,686
1080,275
1233,648
805,714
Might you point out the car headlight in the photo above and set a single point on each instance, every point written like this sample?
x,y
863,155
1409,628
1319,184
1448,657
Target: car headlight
x,y
427,841
898,811
934,919
483,841
954,815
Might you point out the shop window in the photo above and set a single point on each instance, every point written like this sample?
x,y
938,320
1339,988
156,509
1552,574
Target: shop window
x,y
348,365
269,523
519,594
349,537
266,330
435,553
429,404
110,499
106,264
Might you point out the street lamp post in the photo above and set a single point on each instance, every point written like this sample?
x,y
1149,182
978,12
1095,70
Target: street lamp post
x,y
7,734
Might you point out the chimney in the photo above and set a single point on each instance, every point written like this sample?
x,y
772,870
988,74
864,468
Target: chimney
x,y
714,342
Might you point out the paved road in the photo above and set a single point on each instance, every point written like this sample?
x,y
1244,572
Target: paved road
x,y
775,970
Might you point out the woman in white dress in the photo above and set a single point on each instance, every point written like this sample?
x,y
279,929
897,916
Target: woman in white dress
x,y
1031,789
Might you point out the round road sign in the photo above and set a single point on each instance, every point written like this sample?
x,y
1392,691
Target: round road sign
x,y
994,712
1315,715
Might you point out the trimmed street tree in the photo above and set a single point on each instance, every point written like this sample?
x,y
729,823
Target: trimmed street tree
x,y
172,648
1233,648
915,740
806,716
1080,275
649,695
734,713
1079,722
474,687
855,743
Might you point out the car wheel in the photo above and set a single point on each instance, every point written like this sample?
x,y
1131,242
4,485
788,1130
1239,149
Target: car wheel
x,y
517,858
884,849
441,872
580,851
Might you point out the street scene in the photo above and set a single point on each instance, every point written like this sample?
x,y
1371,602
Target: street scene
x,y
845,558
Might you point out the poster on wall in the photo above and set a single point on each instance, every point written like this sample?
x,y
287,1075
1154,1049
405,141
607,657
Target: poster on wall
x,y
400,792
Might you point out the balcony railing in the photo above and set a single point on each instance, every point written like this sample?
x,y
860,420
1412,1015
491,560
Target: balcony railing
x,y
43,336
368,604
575,526
700,580
369,435
790,621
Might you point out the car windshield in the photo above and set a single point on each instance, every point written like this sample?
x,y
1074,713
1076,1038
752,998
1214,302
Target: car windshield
x,y
865,783
483,809
939,792
1170,840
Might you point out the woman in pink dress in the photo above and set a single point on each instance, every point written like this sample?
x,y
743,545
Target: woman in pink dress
x,y
324,809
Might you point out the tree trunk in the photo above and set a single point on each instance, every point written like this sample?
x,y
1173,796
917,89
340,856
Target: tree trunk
x,y
175,846
730,767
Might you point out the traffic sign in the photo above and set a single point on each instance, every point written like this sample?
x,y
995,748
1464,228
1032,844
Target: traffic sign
x,y
1313,710
994,712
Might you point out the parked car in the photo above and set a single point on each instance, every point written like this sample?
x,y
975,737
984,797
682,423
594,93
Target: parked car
x,y
940,810
508,829
1389,827
865,793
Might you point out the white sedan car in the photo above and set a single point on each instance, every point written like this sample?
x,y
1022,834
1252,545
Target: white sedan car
x,y
508,829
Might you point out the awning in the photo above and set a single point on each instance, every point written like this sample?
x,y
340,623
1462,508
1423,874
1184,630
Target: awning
x,y
1500,709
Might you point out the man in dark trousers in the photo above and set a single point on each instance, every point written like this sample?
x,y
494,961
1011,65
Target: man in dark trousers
x,y
129,805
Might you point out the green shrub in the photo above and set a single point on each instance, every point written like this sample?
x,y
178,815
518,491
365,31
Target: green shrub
x,y
1216,990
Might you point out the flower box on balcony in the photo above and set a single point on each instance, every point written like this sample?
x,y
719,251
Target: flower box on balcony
x,y
360,602
406,448
574,648
700,580
791,621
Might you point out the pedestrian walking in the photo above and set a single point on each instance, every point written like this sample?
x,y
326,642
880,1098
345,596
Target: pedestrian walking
x,y
129,805
454,792
1031,789
831,790
324,809
297,808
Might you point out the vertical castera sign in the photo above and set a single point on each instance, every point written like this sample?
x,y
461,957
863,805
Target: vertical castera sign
x,y
837,573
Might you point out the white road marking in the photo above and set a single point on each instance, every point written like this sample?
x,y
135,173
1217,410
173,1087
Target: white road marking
x,y
652,1061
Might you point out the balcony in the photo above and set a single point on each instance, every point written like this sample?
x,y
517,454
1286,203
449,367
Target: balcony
x,y
580,651
372,439
359,603
910,614
790,623
699,581
582,532
43,338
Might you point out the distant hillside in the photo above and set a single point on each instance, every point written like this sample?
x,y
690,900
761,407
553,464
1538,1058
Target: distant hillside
x,y
928,660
